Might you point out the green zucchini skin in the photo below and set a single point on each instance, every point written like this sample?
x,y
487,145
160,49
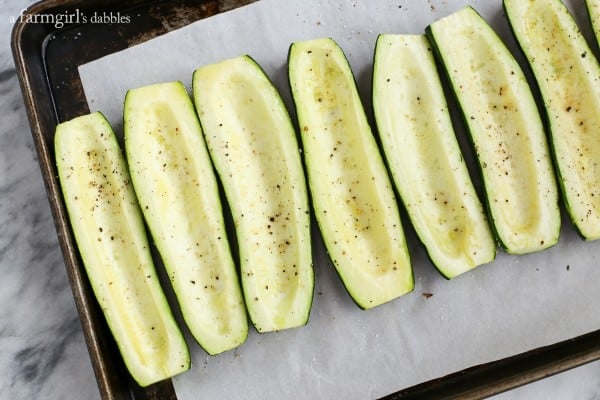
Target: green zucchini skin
x,y
424,157
111,238
505,128
175,182
593,9
567,74
352,195
253,145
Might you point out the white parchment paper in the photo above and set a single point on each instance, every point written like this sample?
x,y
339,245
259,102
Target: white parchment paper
x,y
512,305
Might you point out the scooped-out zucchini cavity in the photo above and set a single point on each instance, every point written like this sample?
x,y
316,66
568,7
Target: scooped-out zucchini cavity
x,y
255,151
111,238
505,128
177,190
567,74
352,195
424,157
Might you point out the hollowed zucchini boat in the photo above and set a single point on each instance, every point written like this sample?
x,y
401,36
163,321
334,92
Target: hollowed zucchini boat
x,y
111,238
352,194
253,145
506,130
424,157
177,190
568,77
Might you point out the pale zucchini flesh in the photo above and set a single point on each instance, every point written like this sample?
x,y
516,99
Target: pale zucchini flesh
x,y
177,190
111,238
255,151
568,75
505,128
352,195
424,157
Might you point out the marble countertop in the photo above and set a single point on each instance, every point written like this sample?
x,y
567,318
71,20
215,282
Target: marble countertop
x,y
42,351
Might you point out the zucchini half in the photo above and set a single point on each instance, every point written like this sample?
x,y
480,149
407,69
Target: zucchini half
x,y
351,192
177,189
424,157
567,74
253,144
505,128
109,231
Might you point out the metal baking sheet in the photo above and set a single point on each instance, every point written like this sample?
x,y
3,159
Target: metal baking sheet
x,y
47,59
